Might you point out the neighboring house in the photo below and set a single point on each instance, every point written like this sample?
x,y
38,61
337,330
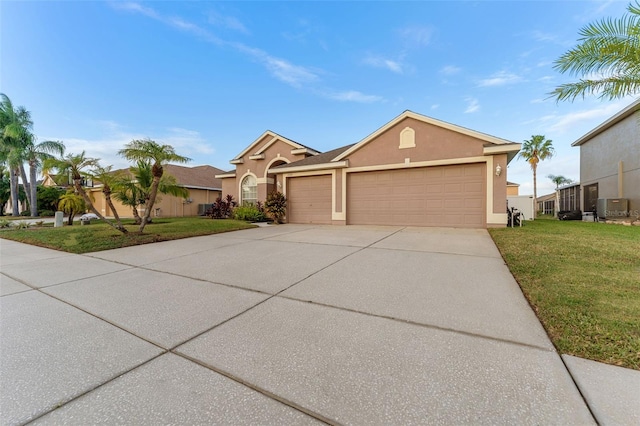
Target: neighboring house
x,y
546,203
204,188
569,197
414,170
513,189
610,162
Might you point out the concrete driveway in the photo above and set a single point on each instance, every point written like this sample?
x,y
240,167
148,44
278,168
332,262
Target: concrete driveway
x,y
278,325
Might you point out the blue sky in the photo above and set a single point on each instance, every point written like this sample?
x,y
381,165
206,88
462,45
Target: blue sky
x,y
210,77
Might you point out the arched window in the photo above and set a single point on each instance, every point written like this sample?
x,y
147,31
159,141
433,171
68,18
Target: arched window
x,y
249,188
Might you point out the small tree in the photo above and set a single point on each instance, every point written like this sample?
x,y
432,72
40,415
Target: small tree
x,y
276,206
71,203
48,197
158,156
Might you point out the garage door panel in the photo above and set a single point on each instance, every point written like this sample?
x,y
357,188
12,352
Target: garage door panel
x,y
309,199
431,196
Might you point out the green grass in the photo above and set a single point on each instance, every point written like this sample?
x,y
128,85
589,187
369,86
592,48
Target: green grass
x,y
99,236
583,281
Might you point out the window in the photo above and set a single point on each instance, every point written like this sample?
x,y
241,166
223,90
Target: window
x,y
249,190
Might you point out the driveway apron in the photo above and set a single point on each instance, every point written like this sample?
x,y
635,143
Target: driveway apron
x,y
286,324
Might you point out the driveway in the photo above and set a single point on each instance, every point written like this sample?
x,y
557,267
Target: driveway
x,y
286,324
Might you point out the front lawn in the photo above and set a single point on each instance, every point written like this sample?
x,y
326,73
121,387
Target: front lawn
x,y
583,281
100,236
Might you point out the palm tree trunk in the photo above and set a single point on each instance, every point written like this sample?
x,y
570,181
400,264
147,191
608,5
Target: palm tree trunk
x,y
153,192
13,181
25,184
80,190
535,194
34,189
106,190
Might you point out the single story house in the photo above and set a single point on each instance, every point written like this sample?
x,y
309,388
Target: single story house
x,y
610,164
546,203
204,188
414,170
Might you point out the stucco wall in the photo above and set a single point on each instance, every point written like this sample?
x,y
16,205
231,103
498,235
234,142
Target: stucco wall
x,y
600,156
431,143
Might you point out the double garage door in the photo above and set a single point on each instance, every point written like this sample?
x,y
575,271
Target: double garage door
x,y
452,196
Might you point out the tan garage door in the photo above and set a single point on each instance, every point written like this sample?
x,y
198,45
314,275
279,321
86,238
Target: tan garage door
x,y
309,199
430,196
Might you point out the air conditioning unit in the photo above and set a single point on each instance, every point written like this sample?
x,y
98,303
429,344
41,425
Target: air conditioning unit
x,y
611,208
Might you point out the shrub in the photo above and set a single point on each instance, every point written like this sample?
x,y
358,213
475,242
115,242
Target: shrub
x,y
249,213
25,213
222,208
276,206
47,213
22,224
4,223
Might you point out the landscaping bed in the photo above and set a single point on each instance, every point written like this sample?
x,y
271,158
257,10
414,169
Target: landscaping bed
x,y
99,236
583,281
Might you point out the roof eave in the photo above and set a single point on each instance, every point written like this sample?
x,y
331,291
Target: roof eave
x,y
311,167
626,112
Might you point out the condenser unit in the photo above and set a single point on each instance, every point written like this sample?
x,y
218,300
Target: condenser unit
x,y
611,208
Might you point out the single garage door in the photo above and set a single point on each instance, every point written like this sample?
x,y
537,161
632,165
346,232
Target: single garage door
x,y
452,196
309,199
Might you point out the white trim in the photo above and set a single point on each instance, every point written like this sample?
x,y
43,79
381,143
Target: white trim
x,y
256,157
324,166
305,150
237,161
444,162
225,175
501,149
262,181
201,187
274,136
424,119
267,145
278,158
248,173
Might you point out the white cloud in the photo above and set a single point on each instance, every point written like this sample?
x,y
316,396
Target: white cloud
x,y
419,36
380,62
228,22
353,96
592,117
472,105
186,142
501,78
450,70
435,106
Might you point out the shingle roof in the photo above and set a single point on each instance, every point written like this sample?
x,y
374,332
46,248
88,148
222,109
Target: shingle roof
x,y
323,158
191,177
195,177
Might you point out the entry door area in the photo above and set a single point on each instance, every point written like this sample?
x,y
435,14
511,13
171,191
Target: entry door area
x,y
449,196
309,199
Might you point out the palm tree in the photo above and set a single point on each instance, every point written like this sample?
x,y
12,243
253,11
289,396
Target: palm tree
x,y
609,51
74,165
107,178
558,180
71,203
135,190
537,149
35,155
5,188
15,135
158,156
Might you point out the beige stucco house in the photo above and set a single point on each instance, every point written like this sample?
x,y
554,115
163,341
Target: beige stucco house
x,y
414,170
201,181
610,161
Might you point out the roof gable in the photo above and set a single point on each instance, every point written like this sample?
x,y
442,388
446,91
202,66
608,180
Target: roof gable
x,y
267,139
492,140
